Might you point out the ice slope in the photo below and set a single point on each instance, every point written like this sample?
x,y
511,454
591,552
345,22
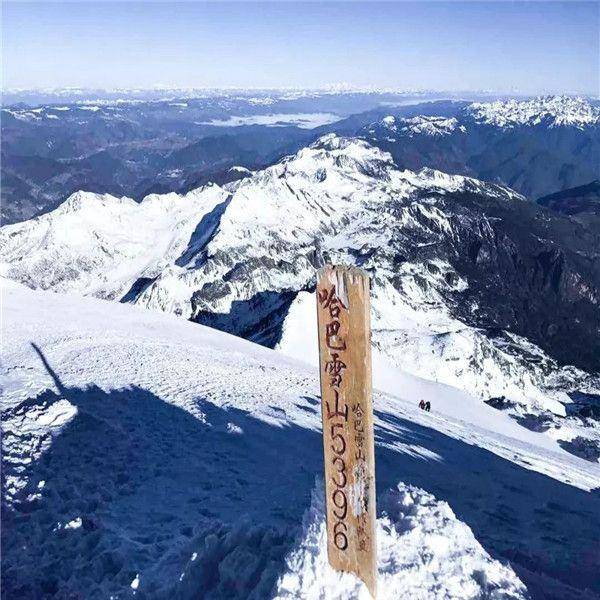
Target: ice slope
x,y
461,359
147,456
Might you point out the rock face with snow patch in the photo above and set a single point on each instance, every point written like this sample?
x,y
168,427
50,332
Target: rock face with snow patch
x,y
582,201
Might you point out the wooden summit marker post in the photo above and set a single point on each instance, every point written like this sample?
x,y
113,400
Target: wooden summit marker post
x,y
343,310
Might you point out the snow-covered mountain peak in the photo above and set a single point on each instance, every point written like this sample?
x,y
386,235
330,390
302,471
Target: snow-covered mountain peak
x,y
98,244
239,257
91,202
336,184
92,206
438,181
431,125
199,197
553,111
427,125
529,145
332,163
340,194
340,153
239,169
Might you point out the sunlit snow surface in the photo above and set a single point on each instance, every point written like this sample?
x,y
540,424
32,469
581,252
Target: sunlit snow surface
x,y
146,455
423,552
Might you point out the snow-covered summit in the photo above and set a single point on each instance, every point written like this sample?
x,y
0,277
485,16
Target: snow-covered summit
x,y
553,111
241,170
147,455
98,244
347,154
89,203
336,166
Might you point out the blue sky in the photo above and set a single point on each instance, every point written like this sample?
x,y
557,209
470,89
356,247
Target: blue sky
x,y
526,46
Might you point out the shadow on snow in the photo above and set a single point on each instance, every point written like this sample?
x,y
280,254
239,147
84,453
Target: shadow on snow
x,y
204,510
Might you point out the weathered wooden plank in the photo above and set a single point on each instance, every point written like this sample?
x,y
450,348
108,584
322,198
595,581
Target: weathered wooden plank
x,y
343,309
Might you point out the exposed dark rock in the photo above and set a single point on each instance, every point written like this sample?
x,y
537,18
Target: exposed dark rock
x,y
582,447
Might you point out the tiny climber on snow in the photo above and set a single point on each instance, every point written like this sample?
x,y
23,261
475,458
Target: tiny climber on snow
x,y
422,405
427,406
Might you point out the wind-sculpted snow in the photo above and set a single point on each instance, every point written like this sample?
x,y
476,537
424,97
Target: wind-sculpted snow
x,y
147,456
450,259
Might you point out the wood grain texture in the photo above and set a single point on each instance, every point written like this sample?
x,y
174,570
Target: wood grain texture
x,y
343,309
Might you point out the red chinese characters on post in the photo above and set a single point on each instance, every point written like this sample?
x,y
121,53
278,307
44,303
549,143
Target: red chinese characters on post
x,y
338,415
345,369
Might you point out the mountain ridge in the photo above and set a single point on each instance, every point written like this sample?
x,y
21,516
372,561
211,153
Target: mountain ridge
x,y
534,146
441,249
138,147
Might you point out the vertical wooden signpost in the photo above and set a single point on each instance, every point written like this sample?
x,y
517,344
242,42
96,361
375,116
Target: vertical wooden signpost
x,y
343,309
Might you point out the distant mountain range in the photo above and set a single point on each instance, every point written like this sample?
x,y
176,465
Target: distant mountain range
x,y
137,147
133,149
535,147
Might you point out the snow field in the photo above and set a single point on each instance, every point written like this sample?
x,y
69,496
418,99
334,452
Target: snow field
x,y
147,456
